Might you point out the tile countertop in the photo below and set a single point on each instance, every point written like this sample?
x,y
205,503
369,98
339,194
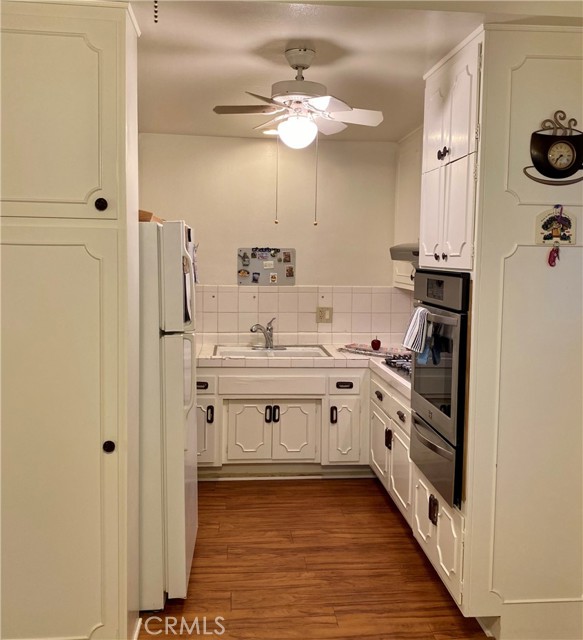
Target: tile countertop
x,y
339,360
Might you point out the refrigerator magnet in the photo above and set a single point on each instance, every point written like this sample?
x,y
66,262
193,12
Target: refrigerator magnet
x,y
273,278
289,272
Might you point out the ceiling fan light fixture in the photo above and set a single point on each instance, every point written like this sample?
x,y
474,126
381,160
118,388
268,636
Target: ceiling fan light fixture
x,y
297,132
271,132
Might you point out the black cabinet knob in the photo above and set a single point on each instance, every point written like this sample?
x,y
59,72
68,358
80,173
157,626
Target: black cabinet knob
x,y
442,153
401,416
379,395
109,446
101,204
436,256
444,256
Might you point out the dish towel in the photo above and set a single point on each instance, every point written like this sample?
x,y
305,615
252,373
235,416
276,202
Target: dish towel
x,y
416,331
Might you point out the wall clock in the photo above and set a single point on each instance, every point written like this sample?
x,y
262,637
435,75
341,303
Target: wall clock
x,y
556,151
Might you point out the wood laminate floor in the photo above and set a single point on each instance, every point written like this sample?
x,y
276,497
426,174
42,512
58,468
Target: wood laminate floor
x,y
309,560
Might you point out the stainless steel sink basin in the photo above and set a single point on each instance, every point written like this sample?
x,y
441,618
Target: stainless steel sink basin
x,y
290,351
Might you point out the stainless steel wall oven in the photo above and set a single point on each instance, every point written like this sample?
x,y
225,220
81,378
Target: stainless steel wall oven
x,y
438,381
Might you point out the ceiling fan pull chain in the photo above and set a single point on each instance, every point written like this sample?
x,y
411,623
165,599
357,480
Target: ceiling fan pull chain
x,y
155,11
316,184
276,221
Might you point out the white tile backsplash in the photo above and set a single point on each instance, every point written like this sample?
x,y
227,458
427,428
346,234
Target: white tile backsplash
x,y
226,313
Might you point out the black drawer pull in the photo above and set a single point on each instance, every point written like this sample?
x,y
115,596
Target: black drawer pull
x,y
333,415
444,256
276,412
436,256
210,414
389,438
344,384
109,446
401,416
101,204
268,413
379,395
202,385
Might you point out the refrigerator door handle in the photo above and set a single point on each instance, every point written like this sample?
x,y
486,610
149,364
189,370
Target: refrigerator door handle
x,y
192,397
189,273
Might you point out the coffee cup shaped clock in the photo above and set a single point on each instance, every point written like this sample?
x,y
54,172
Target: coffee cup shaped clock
x,y
556,150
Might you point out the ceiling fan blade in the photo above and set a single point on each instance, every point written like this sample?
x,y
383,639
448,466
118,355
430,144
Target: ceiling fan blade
x,y
265,99
272,121
366,117
247,109
329,104
328,127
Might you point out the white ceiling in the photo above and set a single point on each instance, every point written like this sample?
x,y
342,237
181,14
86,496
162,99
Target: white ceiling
x,y
372,55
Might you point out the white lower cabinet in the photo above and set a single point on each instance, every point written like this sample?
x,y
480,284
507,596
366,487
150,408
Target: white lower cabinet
x,y
208,422
272,430
343,430
438,528
400,470
379,427
390,424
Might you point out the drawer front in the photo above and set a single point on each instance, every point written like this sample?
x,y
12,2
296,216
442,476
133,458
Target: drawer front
x,y
395,409
206,385
344,385
266,385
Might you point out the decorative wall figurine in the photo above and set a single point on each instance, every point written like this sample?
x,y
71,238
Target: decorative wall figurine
x,y
555,226
556,151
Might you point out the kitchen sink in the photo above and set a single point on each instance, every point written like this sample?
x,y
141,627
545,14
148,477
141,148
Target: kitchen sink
x,y
280,351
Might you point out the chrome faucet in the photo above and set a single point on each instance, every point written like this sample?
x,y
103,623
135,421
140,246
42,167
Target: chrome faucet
x,y
266,331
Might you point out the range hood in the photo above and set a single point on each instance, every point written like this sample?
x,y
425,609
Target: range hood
x,y
406,253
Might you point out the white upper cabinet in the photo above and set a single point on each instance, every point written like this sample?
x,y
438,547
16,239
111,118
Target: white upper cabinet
x,y
62,128
450,142
451,109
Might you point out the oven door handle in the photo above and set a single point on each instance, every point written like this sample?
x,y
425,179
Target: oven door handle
x,y
444,453
451,322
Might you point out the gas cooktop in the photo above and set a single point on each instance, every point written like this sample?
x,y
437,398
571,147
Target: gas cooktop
x,y
400,362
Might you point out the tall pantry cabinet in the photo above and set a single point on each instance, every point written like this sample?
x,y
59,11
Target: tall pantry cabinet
x,y
69,260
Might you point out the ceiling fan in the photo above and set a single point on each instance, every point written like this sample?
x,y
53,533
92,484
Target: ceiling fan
x,y
302,108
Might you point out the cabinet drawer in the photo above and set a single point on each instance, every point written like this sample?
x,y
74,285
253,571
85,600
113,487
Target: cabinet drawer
x,y
270,385
394,408
206,385
343,385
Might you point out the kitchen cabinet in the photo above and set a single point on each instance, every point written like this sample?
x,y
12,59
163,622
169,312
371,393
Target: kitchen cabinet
x,y
343,428
208,422
379,438
448,184
439,530
273,430
342,420
451,108
62,125
390,430
70,324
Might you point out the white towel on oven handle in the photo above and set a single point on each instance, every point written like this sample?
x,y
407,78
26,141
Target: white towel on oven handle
x,y
416,332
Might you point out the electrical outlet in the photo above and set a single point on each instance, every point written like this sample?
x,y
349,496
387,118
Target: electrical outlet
x,y
324,315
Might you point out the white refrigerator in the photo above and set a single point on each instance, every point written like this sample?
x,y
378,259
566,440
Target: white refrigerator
x,y
168,457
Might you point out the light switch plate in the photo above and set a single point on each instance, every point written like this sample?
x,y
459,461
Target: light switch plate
x,y
324,315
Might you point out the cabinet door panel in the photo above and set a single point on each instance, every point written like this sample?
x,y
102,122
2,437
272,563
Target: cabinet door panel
x,y
463,101
431,217
458,232
434,121
294,434
400,472
208,430
422,526
59,113
344,434
249,436
59,405
378,451
449,549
